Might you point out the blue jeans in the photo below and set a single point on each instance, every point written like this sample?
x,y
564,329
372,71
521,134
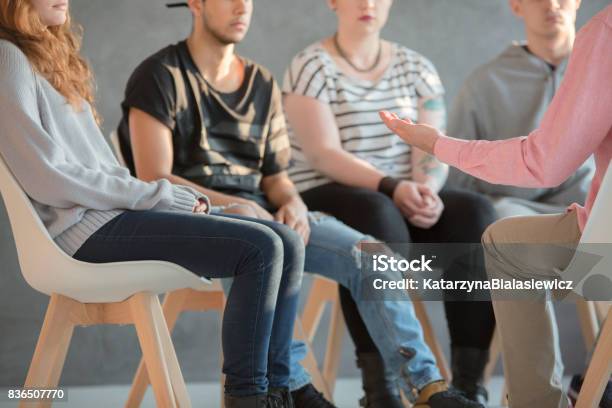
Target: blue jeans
x,y
333,252
265,262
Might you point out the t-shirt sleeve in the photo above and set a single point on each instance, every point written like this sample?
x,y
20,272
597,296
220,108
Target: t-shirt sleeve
x,y
277,153
306,76
151,89
427,81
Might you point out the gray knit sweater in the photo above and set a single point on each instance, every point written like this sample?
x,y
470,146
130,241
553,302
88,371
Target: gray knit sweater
x,y
61,160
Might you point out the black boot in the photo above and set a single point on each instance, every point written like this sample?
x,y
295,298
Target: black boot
x,y
252,401
438,395
279,398
468,365
309,397
381,390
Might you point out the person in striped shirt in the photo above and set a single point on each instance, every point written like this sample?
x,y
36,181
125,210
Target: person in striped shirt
x,y
347,163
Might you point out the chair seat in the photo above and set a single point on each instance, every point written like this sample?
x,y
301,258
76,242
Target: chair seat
x,y
115,282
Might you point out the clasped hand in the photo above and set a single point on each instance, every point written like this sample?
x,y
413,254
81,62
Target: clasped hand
x,y
419,204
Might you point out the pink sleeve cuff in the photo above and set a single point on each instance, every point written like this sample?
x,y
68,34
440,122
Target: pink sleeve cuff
x,y
448,150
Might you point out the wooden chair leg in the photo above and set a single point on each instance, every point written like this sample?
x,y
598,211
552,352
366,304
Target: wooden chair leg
x,y
315,305
222,379
144,307
494,354
334,346
600,369
588,322
173,303
310,362
323,291
430,338
51,348
176,376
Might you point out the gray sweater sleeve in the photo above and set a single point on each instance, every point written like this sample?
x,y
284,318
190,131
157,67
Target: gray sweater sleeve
x,y
41,166
463,124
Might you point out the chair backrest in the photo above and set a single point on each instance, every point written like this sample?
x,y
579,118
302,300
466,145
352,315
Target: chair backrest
x,y
592,264
599,226
114,139
29,233
49,270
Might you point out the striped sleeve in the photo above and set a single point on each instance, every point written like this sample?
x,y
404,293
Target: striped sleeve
x,y
427,81
307,76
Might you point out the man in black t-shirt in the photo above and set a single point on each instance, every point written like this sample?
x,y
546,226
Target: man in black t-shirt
x,y
199,115
223,141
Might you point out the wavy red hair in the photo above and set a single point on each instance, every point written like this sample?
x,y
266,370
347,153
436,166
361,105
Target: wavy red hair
x,y
54,52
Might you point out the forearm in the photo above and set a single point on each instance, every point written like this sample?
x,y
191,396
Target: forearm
x,y
346,168
428,170
216,198
280,191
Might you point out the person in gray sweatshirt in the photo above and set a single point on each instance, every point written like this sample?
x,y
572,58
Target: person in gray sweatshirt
x,y
509,95
97,212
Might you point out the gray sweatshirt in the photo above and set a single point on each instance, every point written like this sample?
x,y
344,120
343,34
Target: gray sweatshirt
x,y
61,160
506,98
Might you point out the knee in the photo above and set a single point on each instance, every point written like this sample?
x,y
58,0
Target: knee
x,y
495,242
292,243
504,256
494,233
475,210
374,200
375,205
266,244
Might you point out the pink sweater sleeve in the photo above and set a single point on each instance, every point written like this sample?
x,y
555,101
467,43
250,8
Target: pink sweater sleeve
x,y
577,121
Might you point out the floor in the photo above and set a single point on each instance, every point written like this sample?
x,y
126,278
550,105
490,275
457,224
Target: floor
x,y
207,395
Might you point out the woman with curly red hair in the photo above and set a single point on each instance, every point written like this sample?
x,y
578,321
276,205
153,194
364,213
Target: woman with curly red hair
x,y
96,212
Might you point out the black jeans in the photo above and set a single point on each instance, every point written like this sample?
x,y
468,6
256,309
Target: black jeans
x,y
266,263
465,217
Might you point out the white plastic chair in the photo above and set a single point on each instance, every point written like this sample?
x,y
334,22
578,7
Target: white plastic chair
x,y
116,145
86,294
598,230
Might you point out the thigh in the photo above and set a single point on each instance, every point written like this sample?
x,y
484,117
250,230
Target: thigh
x,y
465,217
333,248
532,246
207,245
548,228
365,210
290,238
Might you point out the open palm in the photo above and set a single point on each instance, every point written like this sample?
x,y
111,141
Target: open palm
x,y
421,136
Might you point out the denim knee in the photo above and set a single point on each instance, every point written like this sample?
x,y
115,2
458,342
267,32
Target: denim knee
x,y
293,248
266,248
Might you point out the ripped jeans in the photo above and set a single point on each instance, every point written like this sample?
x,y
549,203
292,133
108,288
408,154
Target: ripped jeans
x,y
333,252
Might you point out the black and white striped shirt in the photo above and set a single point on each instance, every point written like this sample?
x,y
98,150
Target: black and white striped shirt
x,y
356,103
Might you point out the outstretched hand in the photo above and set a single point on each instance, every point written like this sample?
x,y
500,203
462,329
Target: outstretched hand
x,y
423,137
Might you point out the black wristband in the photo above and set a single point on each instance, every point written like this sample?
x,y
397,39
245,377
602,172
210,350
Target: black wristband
x,y
387,186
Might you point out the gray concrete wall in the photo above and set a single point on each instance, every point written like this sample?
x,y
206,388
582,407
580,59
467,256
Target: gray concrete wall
x,y
456,35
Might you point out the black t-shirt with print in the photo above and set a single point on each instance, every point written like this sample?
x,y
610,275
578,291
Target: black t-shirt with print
x,y
225,142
